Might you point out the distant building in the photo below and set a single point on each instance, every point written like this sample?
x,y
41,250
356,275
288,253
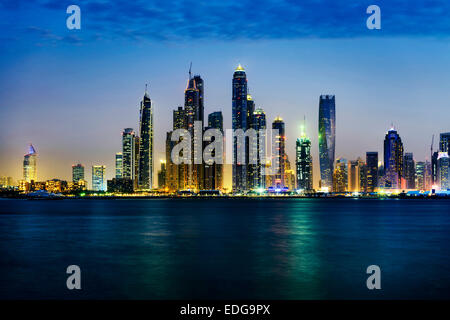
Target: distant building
x,y
145,159
239,121
213,172
420,175
409,171
443,171
119,165
289,175
393,160
304,163
340,178
256,171
279,155
29,165
6,182
77,173
428,176
120,185
434,168
56,186
162,175
444,142
98,178
372,171
327,138
353,176
129,154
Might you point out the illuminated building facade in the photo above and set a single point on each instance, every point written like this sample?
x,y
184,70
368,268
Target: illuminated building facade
x,y
77,173
129,154
213,172
239,121
98,178
145,174
409,171
393,159
340,179
353,176
162,175
256,171
279,154
444,142
304,163
443,171
119,165
327,139
29,165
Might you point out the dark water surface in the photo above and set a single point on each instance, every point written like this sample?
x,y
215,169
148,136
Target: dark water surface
x,y
219,248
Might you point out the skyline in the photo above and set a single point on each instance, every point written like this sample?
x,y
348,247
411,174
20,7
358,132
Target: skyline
x,y
92,88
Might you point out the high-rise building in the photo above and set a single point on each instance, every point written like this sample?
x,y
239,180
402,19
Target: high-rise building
x,y
119,165
239,121
362,175
340,179
354,178
29,165
98,178
372,171
256,172
279,153
77,173
145,180
443,171
289,175
409,171
129,154
213,172
304,163
420,175
444,142
327,138
162,175
428,177
434,168
393,159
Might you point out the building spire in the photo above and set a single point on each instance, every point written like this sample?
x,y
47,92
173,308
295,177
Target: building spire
x,y
146,91
190,71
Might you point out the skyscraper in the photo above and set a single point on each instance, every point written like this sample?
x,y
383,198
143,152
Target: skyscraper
x,y
145,181
257,179
162,175
420,175
443,170
327,138
304,163
279,154
77,173
353,178
128,153
434,168
239,121
409,171
372,171
119,165
98,178
213,172
29,165
340,179
444,142
393,159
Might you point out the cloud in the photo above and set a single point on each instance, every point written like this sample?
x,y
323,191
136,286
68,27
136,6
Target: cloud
x,y
171,20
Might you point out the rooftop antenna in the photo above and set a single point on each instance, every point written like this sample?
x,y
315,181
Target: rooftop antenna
x,y
432,142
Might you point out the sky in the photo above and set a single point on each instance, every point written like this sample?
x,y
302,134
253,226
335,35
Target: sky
x,y
72,92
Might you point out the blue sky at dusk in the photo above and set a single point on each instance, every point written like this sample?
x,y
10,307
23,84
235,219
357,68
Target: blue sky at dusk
x,y
71,92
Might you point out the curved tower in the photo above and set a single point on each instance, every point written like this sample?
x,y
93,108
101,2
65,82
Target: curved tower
x,y
327,139
145,180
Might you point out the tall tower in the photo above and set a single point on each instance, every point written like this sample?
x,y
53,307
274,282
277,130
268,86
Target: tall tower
x,y
303,162
279,158
444,142
239,121
29,165
393,159
409,171
145,180
443,171
129,154
257,171
372,171
327,139
213,172
119,165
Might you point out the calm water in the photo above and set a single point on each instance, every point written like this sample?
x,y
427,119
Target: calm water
x,y
264,249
